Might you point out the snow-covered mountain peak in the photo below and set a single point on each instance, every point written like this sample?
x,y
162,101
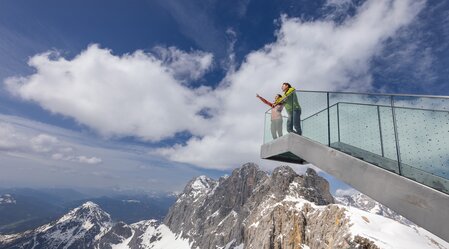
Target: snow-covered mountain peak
x,y
7,199
90,205
201,183
88,213
81,227
197,188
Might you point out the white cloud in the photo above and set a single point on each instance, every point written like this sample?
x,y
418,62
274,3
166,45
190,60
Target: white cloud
x,y
31,144
44,143
131,95
117,165
9,140
184,66
141,94
78,159
89,160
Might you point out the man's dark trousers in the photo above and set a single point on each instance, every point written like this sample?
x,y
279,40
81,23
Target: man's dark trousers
x,y
294,119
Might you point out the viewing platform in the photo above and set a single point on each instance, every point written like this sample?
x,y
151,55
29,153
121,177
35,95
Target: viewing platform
x,y
393,148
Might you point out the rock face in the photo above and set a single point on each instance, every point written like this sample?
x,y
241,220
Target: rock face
x,y
257,210
254,210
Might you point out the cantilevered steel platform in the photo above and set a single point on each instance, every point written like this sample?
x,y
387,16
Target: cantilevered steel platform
x,y
425,206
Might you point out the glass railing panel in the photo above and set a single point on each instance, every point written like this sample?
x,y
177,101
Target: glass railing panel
x,y
334,124
361,122
423,137
422,102
315,127
314,121
270,132
387,128
359,127
424,140
267,137
362,98
311,103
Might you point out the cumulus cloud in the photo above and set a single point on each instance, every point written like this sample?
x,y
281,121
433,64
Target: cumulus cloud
x,y
145,95
130,95
184,66
44,143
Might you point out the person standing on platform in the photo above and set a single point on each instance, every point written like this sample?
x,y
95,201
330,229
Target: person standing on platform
x,y
276,115
291,103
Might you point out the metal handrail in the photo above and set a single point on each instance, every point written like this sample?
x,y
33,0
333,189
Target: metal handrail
x,y
378,94
382,94
389,106
365,104
316,113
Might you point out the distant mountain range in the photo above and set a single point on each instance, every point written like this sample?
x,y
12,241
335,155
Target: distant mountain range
x,y
249,209
24,209
88,226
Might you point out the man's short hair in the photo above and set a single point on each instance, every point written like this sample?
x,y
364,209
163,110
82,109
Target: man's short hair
x,y
288,84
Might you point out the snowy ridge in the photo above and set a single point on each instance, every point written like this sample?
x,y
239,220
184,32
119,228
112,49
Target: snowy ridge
x,y
151,235
389,234
365,203
385,232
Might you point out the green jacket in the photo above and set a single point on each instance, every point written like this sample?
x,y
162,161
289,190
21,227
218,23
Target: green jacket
x,y
290,100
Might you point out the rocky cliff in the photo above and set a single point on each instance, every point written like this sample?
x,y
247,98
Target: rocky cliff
x,y
253,209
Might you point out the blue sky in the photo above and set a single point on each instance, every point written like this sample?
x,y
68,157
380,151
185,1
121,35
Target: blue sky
x,y
148,94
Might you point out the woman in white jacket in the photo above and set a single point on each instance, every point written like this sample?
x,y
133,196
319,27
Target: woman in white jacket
x,y
276,115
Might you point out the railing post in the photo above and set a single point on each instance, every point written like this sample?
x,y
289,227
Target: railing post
x,y
396,137
328,122
338,120
380,132
265,128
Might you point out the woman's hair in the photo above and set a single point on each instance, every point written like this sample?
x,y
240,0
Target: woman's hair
x,y
278,96
288,84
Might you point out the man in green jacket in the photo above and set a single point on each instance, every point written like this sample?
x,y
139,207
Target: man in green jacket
x,y
290,100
